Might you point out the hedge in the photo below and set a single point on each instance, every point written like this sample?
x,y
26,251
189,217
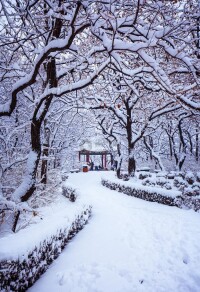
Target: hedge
x,y
144,193
69,192
19,275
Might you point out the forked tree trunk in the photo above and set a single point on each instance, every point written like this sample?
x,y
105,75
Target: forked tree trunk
x,y
35,137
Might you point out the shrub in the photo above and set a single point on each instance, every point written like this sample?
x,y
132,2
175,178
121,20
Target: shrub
x,y
190,178
161,181
188,202
196,187
198,177
179,182
144,175
148,182
171,175
69,192
168,186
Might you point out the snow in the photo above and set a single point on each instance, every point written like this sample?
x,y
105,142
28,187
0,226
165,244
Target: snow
x,y
129,245
5,107
190,103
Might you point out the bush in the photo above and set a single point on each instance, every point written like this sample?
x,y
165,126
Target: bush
x,y
188,191
196,187
193,190
69,192
179,182
64,176
188,202
171,175
144,175
190,178
181,174
168,186
198,177
163,183
148,182
124,176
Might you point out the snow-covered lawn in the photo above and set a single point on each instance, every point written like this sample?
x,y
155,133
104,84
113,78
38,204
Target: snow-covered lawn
x,y
128,245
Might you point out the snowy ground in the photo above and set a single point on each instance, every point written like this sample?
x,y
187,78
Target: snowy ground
x,y
128,245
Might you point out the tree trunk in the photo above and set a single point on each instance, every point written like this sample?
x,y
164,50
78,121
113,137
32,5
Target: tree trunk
x,y
119,161
45,154
36,148
131,165
44,166
131,159
181,162
153,154
197,145
183,146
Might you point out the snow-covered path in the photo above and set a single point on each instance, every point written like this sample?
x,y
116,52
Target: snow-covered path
x,y
128,245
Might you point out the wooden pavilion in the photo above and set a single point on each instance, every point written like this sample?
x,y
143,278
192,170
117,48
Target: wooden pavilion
x,y
94,150
87,154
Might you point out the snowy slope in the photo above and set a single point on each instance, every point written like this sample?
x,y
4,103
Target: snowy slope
x,y
129,245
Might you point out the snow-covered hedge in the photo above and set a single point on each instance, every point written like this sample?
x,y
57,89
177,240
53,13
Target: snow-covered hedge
x,y
20,274
166,197
69,192
144,193
185,201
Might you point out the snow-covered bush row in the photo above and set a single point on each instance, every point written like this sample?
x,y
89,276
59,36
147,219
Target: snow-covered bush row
x,y
69,192
144,193
154,195
20,274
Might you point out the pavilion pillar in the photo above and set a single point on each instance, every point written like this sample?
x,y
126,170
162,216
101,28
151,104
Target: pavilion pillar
x,y
102,161
87,157
105,161
111,159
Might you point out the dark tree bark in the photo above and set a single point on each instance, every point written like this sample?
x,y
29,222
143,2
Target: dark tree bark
x,y
119,161
183,146
197,144
131,159
45,154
